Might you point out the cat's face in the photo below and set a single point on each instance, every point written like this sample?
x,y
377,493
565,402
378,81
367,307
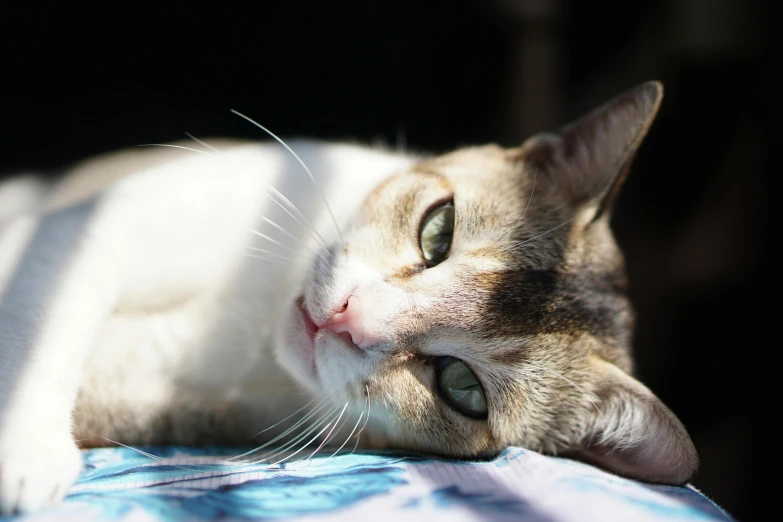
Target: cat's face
x,y
477,301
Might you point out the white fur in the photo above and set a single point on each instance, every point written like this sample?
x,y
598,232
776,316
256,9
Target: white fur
x,y
143,293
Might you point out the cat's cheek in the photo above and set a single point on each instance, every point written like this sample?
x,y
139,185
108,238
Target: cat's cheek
x,y
295,351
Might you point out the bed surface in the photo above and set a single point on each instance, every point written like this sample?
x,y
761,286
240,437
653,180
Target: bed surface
x,y
191,484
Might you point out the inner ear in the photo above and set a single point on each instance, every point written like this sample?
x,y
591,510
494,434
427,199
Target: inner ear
x,y
588,159
634,435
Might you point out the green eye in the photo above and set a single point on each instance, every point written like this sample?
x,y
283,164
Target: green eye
x,y
460,388
436,233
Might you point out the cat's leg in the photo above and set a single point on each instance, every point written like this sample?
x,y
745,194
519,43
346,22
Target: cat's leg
x,y
57,286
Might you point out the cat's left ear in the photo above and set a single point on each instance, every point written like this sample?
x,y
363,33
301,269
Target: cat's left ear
x,y
632,433
587,160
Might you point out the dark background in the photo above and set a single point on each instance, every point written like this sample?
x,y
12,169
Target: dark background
x,y
435,75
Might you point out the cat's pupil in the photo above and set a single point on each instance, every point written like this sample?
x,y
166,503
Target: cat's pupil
x,y
460,388
436,234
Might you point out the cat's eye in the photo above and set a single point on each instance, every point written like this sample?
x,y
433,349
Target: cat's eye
x,y
460,388
436,233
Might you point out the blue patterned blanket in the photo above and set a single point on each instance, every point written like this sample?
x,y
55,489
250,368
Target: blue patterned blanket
x,y
194,484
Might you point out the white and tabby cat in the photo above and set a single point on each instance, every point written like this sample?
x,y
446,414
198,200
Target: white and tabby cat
x,y
452,305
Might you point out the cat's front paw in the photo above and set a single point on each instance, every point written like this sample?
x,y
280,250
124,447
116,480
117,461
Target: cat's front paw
x,y
36,472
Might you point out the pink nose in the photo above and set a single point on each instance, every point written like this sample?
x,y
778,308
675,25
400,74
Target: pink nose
x,y
348,321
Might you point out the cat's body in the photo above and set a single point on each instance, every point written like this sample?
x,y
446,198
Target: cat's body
x,y
191,326
136,295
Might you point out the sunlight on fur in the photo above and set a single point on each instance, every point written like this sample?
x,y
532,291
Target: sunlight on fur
x,y
205,292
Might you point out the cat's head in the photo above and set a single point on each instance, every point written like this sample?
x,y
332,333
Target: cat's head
x,y
479,298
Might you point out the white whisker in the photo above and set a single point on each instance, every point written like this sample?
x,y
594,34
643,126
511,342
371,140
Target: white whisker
x,y
149,455
137,450
320,401
306,223
366,419
319,407
270,259
310,174
348,437
328,435
324,418
269,254
293,442
207,145
313,233
175,147
286,233
355,445
272,240
303,446
278,260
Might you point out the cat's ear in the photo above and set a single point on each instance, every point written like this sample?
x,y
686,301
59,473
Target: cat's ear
x,y
634,434
587,160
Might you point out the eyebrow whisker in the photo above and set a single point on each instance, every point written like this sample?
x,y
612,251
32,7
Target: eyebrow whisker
x,y
207,145
175,147
302,163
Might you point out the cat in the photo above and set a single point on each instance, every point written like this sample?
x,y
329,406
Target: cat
x,y
452,305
